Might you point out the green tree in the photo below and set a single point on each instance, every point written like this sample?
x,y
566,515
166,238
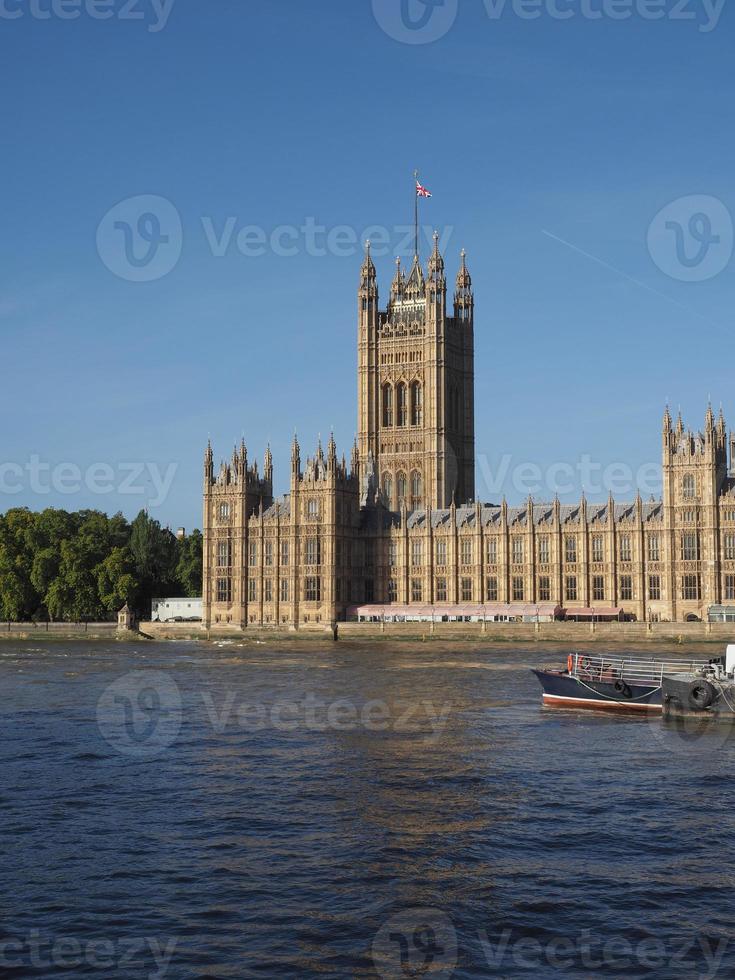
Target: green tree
x,y
189,565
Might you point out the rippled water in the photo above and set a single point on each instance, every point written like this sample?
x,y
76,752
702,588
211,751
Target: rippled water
x,y
182,810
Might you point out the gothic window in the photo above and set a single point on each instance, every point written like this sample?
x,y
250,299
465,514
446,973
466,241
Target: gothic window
x,y
388,490
571,589
543,549
417,591
417,407
598,548
690,546
626,553
252,590
313,551
284,553
729,587
492,551
518,592
730,546
312,509
492,589
268,555
654,549
416,490
691,587
393,554
689,487
284,590
224,554
441,552
466,551
392,590
570,550
268,590
416,554
598,588
313,589
387,406
441,590
544,589
517,545
402,488
224,511
402,404
654,587
466,590
626,588
252,554
224,590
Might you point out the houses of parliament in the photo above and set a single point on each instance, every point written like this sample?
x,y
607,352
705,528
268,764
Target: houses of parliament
x,y
395,532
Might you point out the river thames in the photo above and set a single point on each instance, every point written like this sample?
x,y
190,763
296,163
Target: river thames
x,y
292,810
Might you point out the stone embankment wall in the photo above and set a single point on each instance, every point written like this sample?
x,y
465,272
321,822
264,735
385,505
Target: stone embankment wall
x,y
584,633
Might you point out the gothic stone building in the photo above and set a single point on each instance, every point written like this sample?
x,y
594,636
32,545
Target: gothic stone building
x,y
396,532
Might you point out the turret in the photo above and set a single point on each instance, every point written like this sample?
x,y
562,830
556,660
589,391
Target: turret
x,y
368,291
268,466
464,300
332,456
355,459
295,458
398,285
208,465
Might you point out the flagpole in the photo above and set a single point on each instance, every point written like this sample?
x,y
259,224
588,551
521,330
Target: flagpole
x,y
416,212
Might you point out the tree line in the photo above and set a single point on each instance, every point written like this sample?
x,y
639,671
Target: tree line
x,y
72,567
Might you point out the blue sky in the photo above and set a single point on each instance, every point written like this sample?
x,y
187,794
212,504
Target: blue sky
x,y
550,147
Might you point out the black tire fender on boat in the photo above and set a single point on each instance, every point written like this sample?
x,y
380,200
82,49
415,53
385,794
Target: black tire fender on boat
x,y
701,694
622,688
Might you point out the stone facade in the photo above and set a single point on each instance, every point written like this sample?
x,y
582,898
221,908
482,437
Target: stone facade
x,y
398,526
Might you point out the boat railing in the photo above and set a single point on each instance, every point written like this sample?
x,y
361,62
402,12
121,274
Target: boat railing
x,y
609,669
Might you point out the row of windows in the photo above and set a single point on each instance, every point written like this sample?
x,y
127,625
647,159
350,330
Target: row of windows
x,y
690,550
402,403
691,589
401,491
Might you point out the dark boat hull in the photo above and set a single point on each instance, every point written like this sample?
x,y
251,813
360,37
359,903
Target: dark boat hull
x,y
716,701
561,690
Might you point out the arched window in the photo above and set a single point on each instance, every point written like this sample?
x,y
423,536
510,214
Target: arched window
x,y
689,487
401,486
402,404
387,405
417,490
417,405
388,490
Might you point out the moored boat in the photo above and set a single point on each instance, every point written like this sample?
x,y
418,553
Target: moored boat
x,y
610,683
707,693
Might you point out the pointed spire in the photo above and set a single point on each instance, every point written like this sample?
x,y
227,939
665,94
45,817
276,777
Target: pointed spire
x,y
268,465
436,263
208,463
368,266
709,419
295,455
667,421
355,458
399,281
464,279
679,425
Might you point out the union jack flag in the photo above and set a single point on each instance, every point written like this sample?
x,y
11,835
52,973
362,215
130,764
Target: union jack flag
x,y
422,191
